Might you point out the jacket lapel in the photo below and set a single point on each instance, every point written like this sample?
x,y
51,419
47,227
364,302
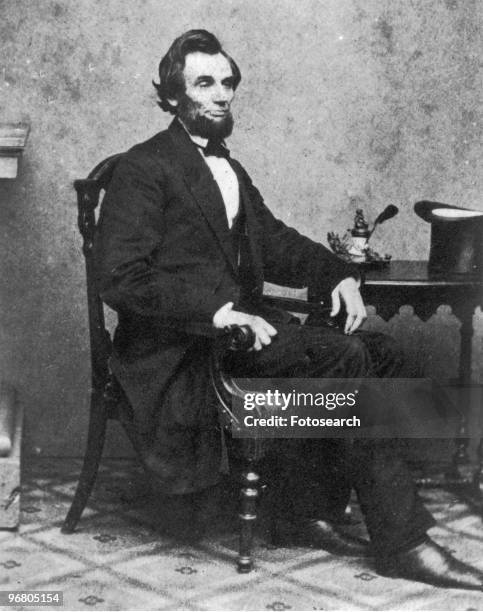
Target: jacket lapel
x,y
203,187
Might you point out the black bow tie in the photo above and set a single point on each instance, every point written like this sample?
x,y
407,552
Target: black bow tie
x,y
216,148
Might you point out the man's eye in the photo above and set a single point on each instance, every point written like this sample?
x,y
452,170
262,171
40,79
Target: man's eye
x,y
204,83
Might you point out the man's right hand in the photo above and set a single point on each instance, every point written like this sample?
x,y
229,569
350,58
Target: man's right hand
x,y
263,331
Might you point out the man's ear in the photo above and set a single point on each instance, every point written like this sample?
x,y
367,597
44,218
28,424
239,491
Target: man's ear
x,y
173,101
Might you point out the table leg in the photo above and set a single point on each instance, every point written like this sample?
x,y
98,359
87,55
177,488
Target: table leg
x,y
479,466
460,455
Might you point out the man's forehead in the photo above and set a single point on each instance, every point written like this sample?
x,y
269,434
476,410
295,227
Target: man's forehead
x,y
203,64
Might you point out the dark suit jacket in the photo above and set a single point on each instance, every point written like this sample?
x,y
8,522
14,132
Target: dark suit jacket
x,y
165,258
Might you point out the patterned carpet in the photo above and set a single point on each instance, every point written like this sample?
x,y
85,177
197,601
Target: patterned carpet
x,y
124,556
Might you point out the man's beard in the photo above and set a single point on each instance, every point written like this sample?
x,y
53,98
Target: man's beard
x,y
200,125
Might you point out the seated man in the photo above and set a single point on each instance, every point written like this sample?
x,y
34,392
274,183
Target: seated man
x,y
185,236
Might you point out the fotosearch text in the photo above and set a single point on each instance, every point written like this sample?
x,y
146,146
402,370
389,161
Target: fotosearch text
x,y
297,421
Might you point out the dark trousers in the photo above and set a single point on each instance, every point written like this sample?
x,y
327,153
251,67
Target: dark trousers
x,y
314,478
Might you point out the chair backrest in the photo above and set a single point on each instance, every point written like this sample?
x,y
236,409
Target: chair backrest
x,y
88,198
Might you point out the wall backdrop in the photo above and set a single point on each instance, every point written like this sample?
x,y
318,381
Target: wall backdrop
x,y
343,103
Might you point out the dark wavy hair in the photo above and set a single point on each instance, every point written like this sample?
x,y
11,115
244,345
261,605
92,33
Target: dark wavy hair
x,y
171,82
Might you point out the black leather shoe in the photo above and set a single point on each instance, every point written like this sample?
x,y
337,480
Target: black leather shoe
x,y
319,534
432,564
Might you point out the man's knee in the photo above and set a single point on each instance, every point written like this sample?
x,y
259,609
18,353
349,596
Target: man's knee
x,y
387,357
394,352
372,354
356,355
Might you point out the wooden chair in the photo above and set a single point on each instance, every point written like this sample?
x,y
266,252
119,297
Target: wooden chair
x,y
106,395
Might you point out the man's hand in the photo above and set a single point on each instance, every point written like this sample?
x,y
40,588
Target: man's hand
x,y
263,331
348,290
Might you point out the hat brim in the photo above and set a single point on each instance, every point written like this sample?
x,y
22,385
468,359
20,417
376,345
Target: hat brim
x,y
424,209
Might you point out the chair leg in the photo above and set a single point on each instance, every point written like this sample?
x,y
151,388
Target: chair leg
x,y
248,517
95,444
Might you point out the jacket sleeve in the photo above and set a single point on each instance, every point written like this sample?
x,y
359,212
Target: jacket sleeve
x,y
131,227
293,260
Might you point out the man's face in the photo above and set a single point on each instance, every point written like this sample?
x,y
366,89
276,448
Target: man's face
x,y
204,107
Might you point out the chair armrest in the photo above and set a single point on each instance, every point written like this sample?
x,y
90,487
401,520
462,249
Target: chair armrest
x,y
241,337
231,337
319,314
296,305
238,338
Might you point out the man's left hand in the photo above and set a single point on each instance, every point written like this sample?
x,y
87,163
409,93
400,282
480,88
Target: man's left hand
x,y
348,291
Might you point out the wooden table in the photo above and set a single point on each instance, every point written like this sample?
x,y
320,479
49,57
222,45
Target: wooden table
x,y
409,283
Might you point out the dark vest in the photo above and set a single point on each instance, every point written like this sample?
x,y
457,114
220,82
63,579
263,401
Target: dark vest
x,y
241,250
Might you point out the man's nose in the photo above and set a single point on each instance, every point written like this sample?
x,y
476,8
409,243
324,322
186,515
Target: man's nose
x,y
222,95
